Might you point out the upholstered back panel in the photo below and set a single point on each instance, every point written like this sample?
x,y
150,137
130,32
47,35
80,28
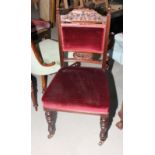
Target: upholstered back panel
x,y
87,38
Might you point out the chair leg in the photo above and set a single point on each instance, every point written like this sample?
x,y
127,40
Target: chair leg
x,y
51,119
104,121
44,82
34,97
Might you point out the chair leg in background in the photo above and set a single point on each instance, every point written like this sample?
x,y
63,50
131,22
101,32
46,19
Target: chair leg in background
x,y
34,96
44,82
51,120
104,123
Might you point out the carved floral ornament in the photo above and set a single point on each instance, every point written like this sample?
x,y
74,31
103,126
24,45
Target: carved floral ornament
x,y
83,15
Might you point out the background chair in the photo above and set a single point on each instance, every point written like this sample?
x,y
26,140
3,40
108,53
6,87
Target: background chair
x,y
40,30
80,89
42,19
47,63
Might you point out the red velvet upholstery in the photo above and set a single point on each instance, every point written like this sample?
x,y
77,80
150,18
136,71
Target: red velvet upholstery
x,y
83,38
78,89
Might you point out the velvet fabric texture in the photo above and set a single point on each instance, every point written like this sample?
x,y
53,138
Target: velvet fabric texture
x,y
78,89
83,38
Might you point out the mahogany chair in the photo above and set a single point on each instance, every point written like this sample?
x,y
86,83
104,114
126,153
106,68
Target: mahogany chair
x,y
75,88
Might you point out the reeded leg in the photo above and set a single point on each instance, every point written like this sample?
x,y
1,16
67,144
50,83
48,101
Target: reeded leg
x,y
51,119
104,123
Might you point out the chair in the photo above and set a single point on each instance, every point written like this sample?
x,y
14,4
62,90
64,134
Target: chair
x,y
50,62
40,30
75,88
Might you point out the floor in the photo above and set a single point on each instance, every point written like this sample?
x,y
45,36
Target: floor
x,y
76,134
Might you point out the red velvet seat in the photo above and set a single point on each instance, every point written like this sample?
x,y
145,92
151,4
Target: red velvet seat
x,y
78,90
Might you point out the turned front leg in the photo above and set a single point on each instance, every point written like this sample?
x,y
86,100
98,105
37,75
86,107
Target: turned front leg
x,y
104,123
51,119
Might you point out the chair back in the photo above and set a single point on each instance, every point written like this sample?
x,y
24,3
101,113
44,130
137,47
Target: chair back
x,y
83,30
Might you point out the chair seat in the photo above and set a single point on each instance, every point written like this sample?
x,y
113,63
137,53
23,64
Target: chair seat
x,y
78,89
